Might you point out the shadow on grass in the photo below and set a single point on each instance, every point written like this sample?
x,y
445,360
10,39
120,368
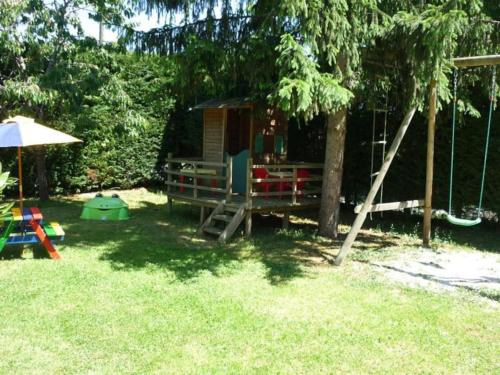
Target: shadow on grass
x,y
154,238
485,237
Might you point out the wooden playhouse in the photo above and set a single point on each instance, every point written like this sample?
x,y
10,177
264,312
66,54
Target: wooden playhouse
x,y
243,168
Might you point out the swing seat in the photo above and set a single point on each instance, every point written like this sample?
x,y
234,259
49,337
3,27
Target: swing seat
x,y
462,222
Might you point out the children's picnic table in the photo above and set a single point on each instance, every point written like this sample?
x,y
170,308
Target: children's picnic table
x,y
27,227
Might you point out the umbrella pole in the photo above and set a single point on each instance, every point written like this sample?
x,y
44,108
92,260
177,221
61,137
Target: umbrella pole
x,y
20,168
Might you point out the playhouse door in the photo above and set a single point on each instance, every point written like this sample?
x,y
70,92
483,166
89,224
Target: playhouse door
x,y
237,131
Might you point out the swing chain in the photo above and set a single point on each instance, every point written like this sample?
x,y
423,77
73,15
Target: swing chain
x,y
488,134
493,95
455,85
452,157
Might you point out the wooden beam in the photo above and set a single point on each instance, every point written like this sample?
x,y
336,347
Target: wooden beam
x,y
229,179
391,206
225,139
204,151
429,179
360,219
169,179
217,210
248,223
472,61
250,140
286,219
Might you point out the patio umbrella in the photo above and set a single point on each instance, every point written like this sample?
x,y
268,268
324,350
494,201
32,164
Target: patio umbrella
x,y
20,131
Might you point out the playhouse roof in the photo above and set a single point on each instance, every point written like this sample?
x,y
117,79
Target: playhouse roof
x,y
243,102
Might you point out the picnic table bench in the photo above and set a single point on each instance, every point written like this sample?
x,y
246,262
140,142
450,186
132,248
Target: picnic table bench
x,y
27,227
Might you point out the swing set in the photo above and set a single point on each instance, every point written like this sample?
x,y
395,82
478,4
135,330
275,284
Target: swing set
x,y
449,216
368,206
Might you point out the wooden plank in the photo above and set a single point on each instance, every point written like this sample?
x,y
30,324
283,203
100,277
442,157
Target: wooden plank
x,y
471,61
224,131
27,215
199,175
285,193
258,205
195,183
250,140
37,215
197,162
16,214
217,210
286,219
204,134
288,179
300,206
169,180
290,166
49,230
233,224
229,181
203,215
248,223
429,177
198,172
44,240
190,186
360,219
213,137
57,228
248,195
391,206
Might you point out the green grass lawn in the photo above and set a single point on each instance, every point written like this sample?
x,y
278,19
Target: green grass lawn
x,y
148,296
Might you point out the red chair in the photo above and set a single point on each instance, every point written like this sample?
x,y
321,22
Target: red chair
x,y
301,173
262,173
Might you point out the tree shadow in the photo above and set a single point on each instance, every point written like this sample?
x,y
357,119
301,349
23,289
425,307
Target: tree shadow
x,y
156,239
167,241
484,237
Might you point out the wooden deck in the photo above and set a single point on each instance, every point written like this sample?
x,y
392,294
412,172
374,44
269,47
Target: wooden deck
x,y
259,204
283,188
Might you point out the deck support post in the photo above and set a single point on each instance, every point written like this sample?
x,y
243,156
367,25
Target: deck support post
x,y
248,195
248,223
248,198
286,219
229,179
203,214
360,219
169,179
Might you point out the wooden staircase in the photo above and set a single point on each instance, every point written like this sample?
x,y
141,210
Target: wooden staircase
x,y
223,222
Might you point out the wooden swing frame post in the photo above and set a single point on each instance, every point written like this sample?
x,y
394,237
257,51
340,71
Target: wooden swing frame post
x,y
460,62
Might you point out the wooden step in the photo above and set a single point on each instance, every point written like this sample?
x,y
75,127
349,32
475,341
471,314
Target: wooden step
x,y
223,217
213,230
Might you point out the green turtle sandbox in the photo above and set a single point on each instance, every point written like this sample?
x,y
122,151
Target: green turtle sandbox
x,y
105,208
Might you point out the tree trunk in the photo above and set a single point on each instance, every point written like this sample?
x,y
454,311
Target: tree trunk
x,y
41,173
336,128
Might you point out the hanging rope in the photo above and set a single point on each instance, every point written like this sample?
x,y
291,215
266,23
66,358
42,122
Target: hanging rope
x,y
488,133
455,85
452,219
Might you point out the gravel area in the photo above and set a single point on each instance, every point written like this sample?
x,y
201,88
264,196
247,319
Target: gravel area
x,y
445,270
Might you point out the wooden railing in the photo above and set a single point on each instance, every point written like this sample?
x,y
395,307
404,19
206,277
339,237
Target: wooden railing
x,y
186,174
285,181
